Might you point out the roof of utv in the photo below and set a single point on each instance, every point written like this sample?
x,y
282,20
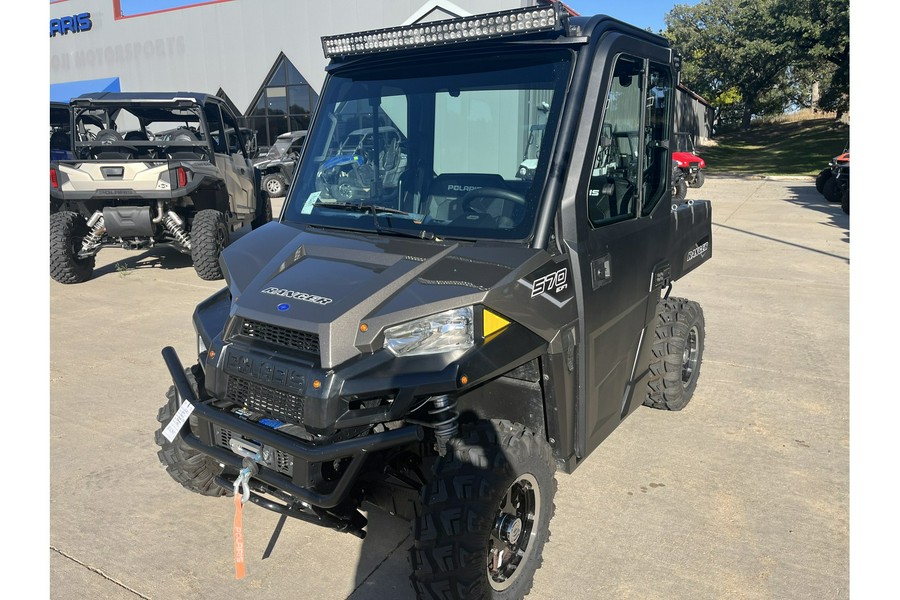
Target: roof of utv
x,y
137,97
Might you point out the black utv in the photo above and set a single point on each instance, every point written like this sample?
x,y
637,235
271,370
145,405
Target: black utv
x,y
277,165
151,169
441,346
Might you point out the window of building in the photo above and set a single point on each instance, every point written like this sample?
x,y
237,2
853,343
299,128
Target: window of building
x,y
284,103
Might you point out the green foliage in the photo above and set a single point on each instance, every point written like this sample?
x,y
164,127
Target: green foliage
x,y
781,148
759,57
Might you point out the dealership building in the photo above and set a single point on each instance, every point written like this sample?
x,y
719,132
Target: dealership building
x,y
264,57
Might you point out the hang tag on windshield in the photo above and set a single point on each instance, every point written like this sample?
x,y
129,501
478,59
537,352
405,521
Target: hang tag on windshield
x,y
310,202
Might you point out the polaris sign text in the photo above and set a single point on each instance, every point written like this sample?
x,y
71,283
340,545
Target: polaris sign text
x,y
74,24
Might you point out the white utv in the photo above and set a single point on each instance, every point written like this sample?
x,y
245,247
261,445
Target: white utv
x,y
151,169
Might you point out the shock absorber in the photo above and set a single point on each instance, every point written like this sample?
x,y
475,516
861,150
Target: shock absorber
x,y
445,420
92,240
175,225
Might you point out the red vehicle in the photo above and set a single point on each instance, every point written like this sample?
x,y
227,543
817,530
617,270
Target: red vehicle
x,y
834,182
687,160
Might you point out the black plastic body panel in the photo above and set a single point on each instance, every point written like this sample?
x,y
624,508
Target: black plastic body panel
x,y
691,237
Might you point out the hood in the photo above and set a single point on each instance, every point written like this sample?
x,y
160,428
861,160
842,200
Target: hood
x,y
330,282
685,158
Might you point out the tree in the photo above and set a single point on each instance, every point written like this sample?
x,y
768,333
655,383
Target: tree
x,y
819,31
759,57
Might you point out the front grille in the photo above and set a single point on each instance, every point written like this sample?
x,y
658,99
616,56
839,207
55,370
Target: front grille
x,y
694,164
281,336
274,403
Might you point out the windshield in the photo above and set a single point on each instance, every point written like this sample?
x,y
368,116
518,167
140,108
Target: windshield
x,y
684,143
435,147
278,148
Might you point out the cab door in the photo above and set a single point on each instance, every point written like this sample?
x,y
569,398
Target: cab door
x,y
232,162
620,238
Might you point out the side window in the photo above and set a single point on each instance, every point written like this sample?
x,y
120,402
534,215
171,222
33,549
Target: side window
x,y
657,159
214,123
612,190
235,143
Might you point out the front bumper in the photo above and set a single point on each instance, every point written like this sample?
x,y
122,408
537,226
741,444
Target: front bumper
x,y
304,454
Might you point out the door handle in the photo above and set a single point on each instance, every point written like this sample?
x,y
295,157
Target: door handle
x,y
601,271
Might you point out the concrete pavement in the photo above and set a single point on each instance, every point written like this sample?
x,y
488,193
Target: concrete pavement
x,y
744,494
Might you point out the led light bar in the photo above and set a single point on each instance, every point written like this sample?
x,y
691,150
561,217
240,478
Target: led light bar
x,y
486,26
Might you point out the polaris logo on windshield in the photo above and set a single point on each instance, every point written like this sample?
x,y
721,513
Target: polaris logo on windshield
x,y
455,187
296,295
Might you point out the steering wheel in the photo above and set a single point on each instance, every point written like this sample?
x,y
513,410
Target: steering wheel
x,y
489,192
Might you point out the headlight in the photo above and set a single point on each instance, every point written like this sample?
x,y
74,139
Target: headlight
x,y
449,330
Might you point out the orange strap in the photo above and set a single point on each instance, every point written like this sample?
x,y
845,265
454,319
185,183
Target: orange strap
x,y
239,570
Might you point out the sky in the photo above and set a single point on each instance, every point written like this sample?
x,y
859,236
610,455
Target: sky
x,y
641,13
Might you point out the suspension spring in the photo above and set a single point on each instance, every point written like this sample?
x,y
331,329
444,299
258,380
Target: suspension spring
x,y
175,225
92,240
445,420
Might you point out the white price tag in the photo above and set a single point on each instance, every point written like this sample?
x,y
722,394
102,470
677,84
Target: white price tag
x,y
178,421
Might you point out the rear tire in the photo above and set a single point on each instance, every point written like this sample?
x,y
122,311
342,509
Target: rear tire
x,y
67,230
677,354
194,471
485,515
209,236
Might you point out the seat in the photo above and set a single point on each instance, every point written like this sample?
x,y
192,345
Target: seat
x,y
110,145
445,189
176,151
60,140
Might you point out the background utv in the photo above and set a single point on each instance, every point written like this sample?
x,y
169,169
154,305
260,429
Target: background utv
x,y
150,169
428,332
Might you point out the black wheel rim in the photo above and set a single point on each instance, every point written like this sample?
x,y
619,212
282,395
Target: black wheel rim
x,y
510,543
690,356
221,235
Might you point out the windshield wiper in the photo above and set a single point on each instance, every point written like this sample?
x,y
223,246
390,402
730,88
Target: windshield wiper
x,y
375,210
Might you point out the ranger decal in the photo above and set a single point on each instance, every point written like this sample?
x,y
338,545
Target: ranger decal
x,y
296,295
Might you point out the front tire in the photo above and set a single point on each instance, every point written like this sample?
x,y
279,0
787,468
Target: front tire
x,y
263,212
698,181
194,471
209,236
677,354
485,515
679,191
274,184
831,191
67,231
823,176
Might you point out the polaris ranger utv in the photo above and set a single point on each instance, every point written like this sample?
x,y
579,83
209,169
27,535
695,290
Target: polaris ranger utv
x,y
439,348
151,169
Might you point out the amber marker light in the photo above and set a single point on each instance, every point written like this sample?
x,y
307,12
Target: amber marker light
x,y
316,384
464,380
363,327
212,354
493,323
